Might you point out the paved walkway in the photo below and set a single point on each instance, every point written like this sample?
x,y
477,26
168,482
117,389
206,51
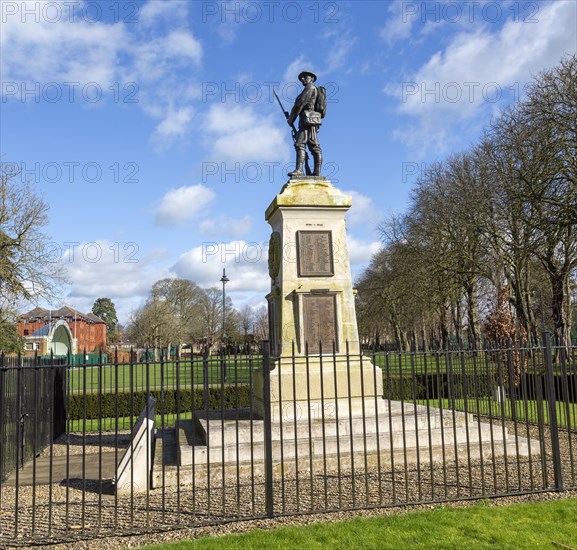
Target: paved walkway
x,y
93,467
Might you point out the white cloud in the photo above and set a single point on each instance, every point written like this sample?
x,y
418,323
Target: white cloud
x,y
224,119
294,68
361,252
341,42
119,271
227,31
399,23
221,226
183,204
156,59
246,265
149,13
264,143
363,211
125,274
45,46
175,125
54,48
477,71
229,16
240,134
181,43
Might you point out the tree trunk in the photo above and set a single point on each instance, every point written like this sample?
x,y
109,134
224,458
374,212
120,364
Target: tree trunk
x,y
457,321
557,306
397,335
518,299
404,341
443,325
425,343
568,311
472,315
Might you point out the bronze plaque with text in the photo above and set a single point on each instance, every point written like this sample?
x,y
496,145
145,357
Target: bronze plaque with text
x,y
315,254
320,321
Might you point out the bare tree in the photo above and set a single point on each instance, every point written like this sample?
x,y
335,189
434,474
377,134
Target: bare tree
x,y
29,266
500,217
246,320
508,236
551,110
154,325
532,150
211,315
445,224
184,298
261,324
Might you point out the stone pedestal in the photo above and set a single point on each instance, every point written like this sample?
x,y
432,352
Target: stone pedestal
x,y
311,296
313,326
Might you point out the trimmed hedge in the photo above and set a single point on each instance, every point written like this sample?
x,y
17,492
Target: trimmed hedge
x,y
394,387
109,405
434,387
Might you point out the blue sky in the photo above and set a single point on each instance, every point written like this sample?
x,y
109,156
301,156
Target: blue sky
x,y
151,130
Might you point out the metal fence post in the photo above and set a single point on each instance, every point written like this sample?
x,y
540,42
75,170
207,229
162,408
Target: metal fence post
x,y
205,377
3,422
269,497
552,403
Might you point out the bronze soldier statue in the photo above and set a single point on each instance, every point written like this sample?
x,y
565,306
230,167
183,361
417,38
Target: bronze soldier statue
x,y
309,123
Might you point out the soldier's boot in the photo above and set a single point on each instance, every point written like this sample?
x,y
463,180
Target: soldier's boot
x,y
298,171
318,158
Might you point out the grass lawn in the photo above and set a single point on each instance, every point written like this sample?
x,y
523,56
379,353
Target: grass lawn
x,y
480,363
551,524
524,410
153,375
191,371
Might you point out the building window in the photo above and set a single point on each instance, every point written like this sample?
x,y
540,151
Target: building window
x,y
26,331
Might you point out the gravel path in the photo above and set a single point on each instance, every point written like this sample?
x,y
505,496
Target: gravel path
x,y
78,510
91,443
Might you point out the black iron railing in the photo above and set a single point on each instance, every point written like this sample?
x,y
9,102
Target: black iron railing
x,y
280,436
32,408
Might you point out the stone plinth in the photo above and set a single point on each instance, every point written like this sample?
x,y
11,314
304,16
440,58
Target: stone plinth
x,y
312,319
311,294
313,385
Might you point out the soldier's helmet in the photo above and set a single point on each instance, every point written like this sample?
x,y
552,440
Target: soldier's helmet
x,y
309,73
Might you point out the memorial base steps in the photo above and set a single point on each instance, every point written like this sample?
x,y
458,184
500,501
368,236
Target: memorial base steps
x,y
406,435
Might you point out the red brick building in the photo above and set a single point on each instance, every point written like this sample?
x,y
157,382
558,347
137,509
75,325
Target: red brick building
x,y
88,330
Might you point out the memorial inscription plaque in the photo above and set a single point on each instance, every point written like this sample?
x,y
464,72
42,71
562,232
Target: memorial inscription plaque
x,y
319,321
315,254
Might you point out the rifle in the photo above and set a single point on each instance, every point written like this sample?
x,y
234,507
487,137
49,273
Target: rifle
x,y
294,134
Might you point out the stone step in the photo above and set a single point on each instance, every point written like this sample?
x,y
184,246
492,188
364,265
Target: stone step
x,y
395,431
225,429
304,445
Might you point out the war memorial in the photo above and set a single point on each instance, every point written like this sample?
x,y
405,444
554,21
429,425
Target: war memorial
x,y
319,423
323,399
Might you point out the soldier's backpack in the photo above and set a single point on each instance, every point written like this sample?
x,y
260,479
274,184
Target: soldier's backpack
x,y
321,101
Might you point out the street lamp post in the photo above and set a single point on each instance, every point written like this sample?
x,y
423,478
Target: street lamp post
x,y
224,280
